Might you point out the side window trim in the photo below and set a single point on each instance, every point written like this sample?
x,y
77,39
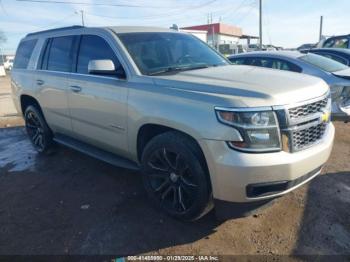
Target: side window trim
x,y
48,54
76,48
43,54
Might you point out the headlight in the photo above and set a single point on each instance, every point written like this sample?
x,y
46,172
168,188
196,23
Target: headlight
x,y
259,128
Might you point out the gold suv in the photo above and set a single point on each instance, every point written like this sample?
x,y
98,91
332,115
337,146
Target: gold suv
x,y
201,130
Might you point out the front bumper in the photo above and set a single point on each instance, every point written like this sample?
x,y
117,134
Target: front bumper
x,y
232,172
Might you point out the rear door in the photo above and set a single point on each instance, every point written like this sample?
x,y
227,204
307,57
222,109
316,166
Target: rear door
x,y
22,75
98,103
55,65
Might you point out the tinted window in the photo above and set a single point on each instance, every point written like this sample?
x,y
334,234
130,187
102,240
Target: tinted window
x,y
156,53
261,62
274,64
237,61
60,55
334,57
284,65
323,63
341,42
23,54
94,48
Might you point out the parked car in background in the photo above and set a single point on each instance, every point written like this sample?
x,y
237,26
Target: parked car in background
x,y
8,64
255,47
252,47
201,130
270,47
306,47
336,75
340,55
341,41
2,70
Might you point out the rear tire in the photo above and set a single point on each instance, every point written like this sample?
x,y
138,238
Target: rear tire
x,y
175,176
37,129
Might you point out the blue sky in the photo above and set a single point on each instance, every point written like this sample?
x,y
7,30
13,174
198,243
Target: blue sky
x,y
285,23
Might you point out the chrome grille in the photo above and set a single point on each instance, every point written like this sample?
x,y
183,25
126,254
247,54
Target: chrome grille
x,y
308,109
306,137
304,125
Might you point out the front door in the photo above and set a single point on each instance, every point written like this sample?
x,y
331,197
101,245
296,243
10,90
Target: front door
x,y
98,103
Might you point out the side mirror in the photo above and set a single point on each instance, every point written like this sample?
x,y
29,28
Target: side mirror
x,y
101,67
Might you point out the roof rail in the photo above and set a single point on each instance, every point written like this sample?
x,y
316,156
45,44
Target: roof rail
x,y
56,30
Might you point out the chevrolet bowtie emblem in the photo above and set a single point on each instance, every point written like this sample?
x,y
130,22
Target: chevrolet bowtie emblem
x,y
325,116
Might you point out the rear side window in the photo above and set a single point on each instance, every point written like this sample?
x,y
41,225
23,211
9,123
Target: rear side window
x,y
284,65
334,57
23,54
323,63
274,63
237,61
60,55
93,47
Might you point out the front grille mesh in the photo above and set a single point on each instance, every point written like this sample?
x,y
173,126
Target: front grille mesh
x,y
308,109
306,137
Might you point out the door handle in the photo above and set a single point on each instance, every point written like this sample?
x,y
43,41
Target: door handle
x,y
39,82
75,89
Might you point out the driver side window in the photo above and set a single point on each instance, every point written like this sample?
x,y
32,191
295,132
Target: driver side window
x,y
93,47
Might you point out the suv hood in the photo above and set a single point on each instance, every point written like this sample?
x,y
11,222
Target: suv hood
x,y
246,85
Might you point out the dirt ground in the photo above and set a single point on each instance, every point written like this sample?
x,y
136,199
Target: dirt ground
x,y
69,203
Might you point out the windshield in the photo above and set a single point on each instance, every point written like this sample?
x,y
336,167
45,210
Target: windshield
x,y
323,63
156,53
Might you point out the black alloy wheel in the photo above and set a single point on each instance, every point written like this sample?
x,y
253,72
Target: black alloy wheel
x,y
174,176
39,133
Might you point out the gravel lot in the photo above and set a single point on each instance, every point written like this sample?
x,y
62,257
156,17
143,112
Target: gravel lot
x,y
69,203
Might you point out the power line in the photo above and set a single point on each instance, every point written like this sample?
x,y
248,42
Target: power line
x,y
235,9
172,14
95,4
245,15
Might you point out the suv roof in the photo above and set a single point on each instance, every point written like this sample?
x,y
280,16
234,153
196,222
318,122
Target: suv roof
x,y
116,29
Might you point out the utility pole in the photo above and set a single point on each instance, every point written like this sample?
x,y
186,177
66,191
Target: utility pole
x,y
321,27
82,17
260,24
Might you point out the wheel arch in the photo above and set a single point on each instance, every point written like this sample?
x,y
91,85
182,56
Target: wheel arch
x,y
149,130
27,100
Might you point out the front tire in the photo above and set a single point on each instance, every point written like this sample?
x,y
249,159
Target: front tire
x,y
37,129
175,176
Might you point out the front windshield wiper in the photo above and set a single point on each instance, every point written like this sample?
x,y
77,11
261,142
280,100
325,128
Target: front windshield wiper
x,y
178,69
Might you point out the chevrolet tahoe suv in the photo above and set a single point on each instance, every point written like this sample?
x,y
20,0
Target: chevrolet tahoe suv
x,y
203,132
